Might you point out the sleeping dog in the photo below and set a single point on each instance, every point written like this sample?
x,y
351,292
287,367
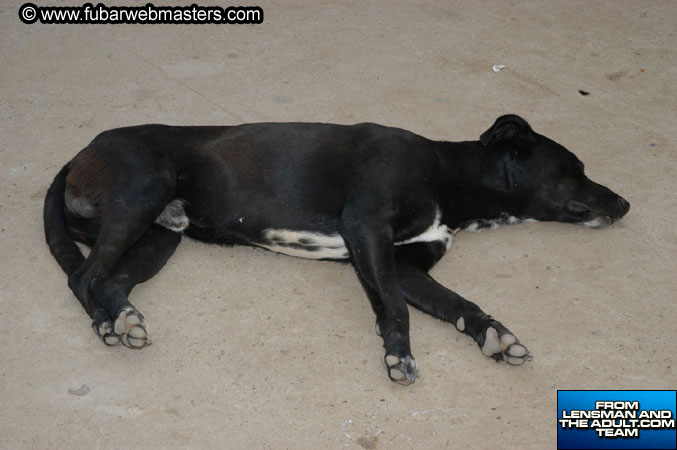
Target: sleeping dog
x,y
385,199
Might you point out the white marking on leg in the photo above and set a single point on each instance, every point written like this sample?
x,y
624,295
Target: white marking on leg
x,y
460,324
491,343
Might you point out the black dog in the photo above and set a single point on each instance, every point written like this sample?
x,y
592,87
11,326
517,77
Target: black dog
x,y
384,198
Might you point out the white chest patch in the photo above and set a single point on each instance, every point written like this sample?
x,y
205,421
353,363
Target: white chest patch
x,y
311,245
436,232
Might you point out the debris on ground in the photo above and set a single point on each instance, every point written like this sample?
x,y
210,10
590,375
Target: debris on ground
x,y
83,390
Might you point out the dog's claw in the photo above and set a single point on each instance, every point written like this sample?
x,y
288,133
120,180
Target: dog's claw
x,y
402,370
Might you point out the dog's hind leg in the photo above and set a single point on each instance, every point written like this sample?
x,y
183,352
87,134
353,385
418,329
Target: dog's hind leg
x,y
423,292
125,213
141,262
87,232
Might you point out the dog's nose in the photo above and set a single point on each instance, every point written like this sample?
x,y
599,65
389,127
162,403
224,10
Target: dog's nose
x,y
624,204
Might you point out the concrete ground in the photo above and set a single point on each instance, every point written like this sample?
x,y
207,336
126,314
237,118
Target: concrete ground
x,y
258,350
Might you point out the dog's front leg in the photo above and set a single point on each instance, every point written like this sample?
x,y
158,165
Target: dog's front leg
x,y
371,249
423,292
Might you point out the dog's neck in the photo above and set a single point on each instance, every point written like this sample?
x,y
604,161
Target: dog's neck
x,y
470,167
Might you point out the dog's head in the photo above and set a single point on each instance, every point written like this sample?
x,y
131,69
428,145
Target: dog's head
x,y
548,180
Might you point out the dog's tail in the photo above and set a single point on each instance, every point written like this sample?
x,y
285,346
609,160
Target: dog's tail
x,y
59,239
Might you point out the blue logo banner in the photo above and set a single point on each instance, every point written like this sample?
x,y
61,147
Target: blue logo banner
x,y
616,420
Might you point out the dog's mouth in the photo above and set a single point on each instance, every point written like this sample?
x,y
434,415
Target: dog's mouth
x,y
598,222
584,215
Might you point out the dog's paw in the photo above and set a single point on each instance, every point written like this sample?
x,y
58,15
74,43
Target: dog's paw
x,y
131,328
106,334
402,370
500,344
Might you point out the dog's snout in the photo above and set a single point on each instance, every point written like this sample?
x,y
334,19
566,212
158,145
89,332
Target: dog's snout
x,y
624,204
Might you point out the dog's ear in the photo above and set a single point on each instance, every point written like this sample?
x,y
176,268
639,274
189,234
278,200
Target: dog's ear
x,y
508,128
